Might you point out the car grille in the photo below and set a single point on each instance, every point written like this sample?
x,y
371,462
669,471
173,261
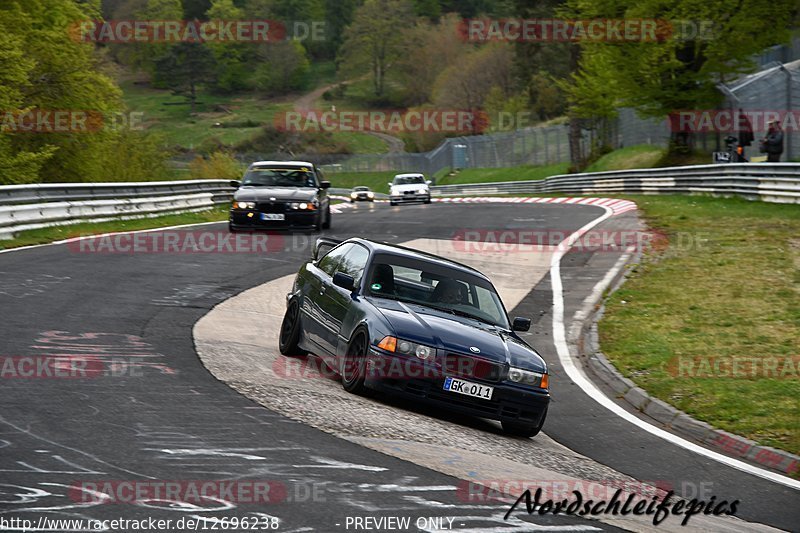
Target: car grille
x,y
467,366
271,207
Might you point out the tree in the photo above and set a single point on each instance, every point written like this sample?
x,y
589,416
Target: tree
x,y
17,165
682,70
375,40
418,69
282,67
184,67
467,83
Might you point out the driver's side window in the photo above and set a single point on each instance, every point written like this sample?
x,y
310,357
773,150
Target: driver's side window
x,y
330,262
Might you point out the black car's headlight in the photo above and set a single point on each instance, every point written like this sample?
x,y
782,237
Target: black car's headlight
x,y
395,345
526,377
244,205
304,206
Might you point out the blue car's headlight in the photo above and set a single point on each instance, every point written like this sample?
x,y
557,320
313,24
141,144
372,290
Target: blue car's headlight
x,y
526,377
395,345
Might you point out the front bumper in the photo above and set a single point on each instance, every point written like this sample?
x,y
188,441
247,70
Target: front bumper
x,y
243,219
362,198
408,198
419,381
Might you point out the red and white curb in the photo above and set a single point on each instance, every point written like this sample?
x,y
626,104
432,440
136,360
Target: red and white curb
x,y
617,206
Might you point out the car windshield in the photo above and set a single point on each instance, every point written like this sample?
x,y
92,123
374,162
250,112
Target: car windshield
x,y
436,286
280,177
408,180
361,189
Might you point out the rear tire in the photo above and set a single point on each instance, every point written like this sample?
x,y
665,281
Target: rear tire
x,y
290,331
355,364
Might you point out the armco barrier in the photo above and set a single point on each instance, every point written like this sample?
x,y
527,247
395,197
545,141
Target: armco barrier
x,y
25,207
769,182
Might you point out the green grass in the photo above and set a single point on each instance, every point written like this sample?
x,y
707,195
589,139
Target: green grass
x,y
488,175
726,286
45,235
181,129
640,156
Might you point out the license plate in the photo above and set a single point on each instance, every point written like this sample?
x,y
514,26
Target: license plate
x,y
467,388
273,216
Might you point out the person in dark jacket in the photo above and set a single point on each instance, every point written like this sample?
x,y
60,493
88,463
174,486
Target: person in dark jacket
x,y
773,142
744,130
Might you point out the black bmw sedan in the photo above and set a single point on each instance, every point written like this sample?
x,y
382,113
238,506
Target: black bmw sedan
x,y
281,195
408,323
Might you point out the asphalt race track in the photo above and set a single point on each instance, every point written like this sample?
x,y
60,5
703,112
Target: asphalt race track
x,y
161,416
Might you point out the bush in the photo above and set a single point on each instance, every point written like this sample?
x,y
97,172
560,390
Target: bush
x,y
219,165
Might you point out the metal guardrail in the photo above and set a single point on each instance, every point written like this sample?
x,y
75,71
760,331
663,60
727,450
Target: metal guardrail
x,y
26,207
769,182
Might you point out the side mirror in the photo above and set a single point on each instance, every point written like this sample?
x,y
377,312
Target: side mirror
x,y
344,281
428,182
324,184
235,184
521,324
389,184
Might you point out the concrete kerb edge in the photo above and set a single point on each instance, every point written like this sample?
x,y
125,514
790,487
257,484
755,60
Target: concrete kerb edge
x,y
585,343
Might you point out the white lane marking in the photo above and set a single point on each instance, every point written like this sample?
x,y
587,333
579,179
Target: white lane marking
x,y
84,237
577,376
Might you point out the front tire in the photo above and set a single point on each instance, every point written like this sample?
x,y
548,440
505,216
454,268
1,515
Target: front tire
x,y
355,364
327,223
290,331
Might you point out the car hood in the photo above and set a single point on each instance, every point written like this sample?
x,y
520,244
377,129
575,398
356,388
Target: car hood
x,y
457,334
265,194
409,187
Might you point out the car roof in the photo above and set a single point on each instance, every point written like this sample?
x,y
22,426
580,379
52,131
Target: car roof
x,y
413,175
403,251
282,163
364,187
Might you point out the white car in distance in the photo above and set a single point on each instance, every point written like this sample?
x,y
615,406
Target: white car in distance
x,y
406,188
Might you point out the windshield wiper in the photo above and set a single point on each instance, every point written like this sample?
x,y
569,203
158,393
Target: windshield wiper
x,y
459,312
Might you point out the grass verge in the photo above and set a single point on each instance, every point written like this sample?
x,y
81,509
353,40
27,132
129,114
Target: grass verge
x,y
45,235
724,292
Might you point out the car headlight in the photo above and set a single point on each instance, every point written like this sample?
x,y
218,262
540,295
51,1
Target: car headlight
x,y
303,206
526,377
395,345
353,195
370,195
423,191
244,205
